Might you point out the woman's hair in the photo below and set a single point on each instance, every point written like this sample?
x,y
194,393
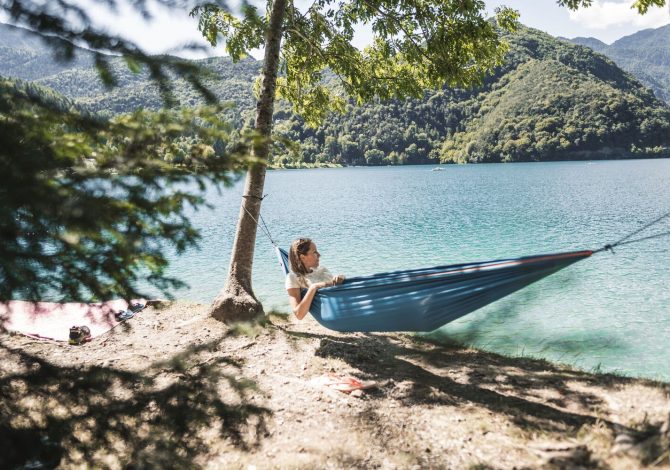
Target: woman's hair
x,y
299,247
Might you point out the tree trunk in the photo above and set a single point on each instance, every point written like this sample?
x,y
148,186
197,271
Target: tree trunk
x,y
237,302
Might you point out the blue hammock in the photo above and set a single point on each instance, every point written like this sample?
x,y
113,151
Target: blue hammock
x,y
425,299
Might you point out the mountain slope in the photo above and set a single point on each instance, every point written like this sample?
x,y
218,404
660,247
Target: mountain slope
x,y
26,55
550,100
559,101
550,111
592,43
230,82
645,54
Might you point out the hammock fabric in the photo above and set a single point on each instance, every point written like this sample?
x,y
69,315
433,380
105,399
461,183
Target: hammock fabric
x,y
425,299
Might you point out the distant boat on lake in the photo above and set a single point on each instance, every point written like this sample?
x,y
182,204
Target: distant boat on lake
x,y
437,168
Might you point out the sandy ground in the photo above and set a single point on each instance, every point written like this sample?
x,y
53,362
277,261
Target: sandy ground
x,y
173,388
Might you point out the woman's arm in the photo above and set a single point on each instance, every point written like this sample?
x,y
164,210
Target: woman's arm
x,y
300,306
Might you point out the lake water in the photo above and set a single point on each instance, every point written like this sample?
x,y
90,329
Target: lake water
x,y
610,312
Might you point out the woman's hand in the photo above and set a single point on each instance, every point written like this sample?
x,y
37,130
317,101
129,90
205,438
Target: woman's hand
x,y
337,280
300,305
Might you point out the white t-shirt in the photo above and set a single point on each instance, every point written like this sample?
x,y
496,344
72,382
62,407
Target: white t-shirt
x,y
320,274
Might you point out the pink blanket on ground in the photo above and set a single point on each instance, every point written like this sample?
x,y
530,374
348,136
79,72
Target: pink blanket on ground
x,y
50,320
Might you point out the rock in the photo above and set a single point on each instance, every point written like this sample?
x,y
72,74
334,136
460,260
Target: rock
x,y
562,454
623,443
665,427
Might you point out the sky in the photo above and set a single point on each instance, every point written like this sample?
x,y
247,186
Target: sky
x,y
607,20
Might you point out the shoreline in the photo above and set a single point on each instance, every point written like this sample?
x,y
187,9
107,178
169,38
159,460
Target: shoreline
x,y
589,156
174,387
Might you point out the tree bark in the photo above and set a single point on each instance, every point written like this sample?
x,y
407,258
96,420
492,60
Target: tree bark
x,y
237,302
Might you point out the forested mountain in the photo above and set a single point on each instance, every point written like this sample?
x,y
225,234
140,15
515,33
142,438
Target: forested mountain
x,y
27,56
230,82
645,54
550,100
44,95
593,43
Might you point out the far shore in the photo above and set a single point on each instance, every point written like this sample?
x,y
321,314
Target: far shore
x,y
583,156
176,388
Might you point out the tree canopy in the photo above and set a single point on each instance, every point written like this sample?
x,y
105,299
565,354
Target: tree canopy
x,y
88,204
642,6
417,45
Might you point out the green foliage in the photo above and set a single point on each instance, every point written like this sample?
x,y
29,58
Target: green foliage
x,y
550,100
642,6
558,102
88,206
89,203
242,35
416,45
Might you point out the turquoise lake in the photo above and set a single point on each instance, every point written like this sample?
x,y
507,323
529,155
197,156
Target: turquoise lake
x,y
610,312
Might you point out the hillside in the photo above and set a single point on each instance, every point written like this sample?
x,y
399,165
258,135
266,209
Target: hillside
x,y
596,44
558,102
550,100
26,56
645,54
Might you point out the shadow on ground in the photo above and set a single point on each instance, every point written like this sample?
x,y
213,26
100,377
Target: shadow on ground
x,y
538,397
161,417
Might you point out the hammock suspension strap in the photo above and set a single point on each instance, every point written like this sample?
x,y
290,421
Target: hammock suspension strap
x,y
625,240
263,227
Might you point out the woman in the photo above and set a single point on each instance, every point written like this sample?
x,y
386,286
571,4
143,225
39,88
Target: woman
x,y
306,274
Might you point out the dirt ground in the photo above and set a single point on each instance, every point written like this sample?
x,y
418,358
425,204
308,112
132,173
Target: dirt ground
x,y
172,388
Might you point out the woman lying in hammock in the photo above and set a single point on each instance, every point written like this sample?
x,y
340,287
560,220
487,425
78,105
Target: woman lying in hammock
x,y
306,274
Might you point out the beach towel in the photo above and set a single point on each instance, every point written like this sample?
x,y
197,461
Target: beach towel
x,y
51,320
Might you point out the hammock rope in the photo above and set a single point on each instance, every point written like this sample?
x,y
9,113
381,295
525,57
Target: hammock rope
x,y
264,227
625,240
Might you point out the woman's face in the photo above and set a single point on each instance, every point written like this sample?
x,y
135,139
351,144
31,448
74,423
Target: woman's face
x,y
311,259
